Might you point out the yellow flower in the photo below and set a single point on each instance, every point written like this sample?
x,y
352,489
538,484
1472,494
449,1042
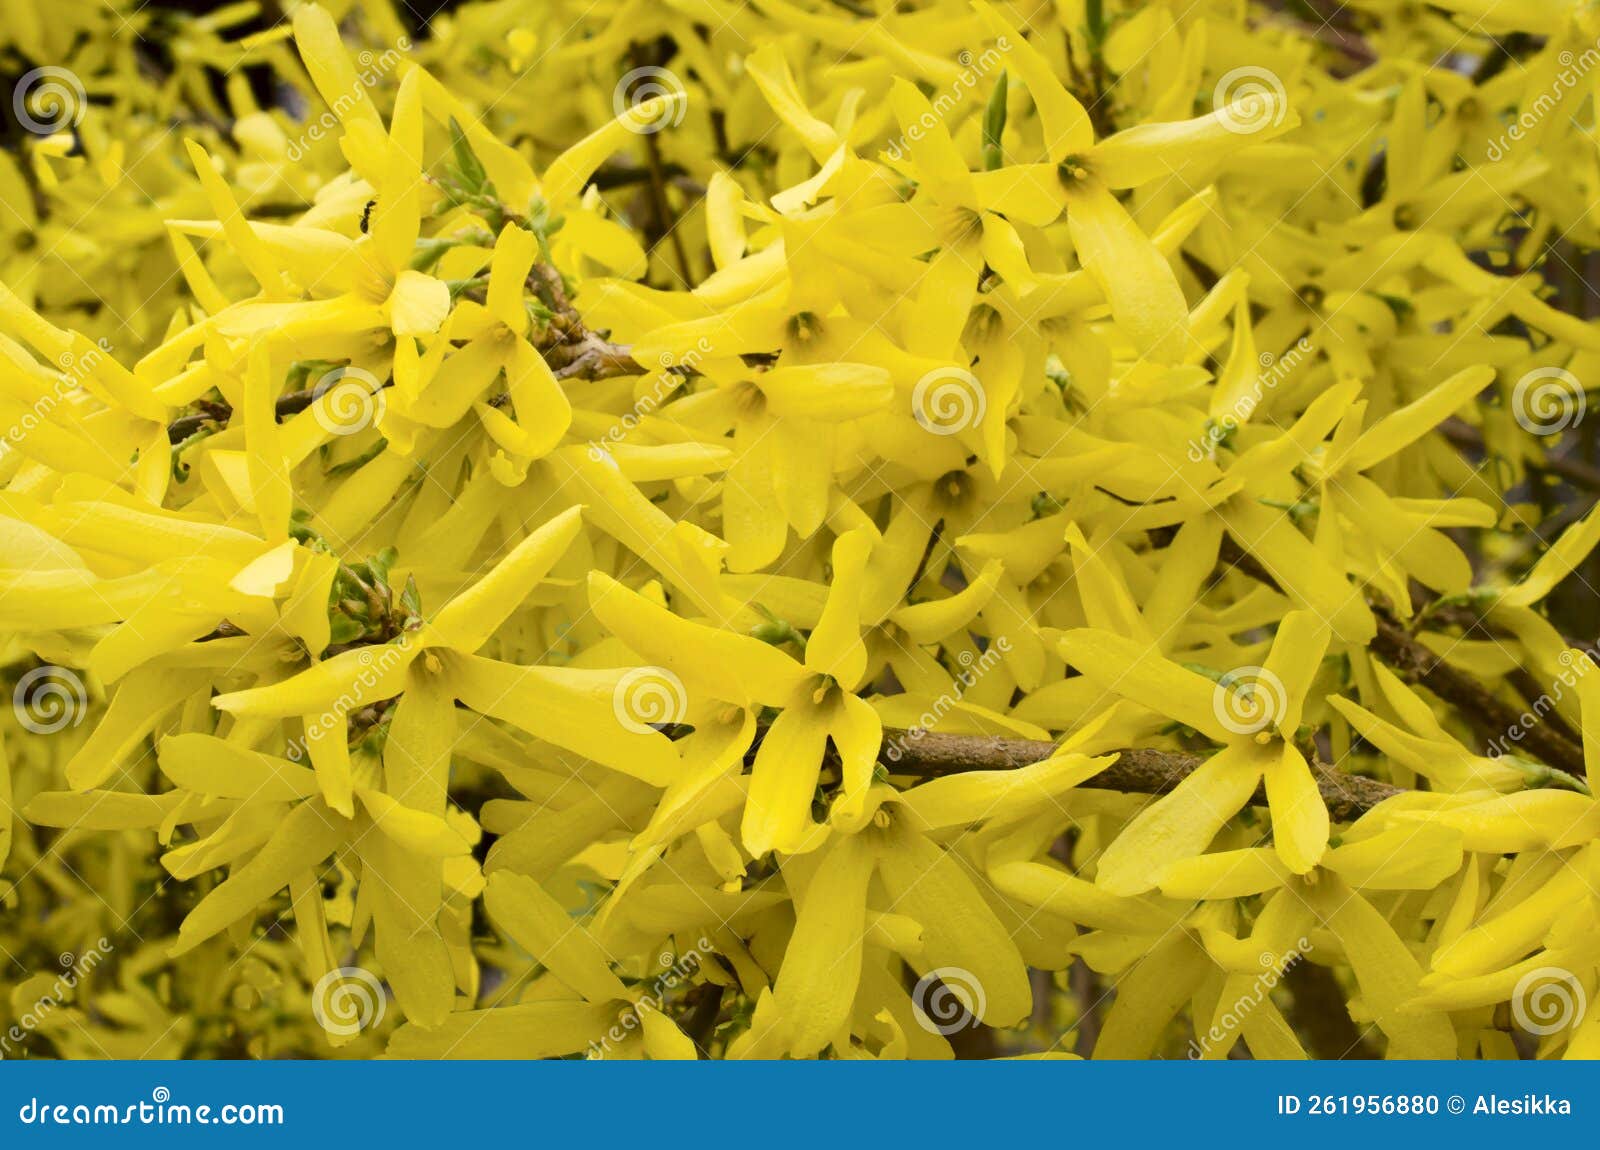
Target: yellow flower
x,y
1258,728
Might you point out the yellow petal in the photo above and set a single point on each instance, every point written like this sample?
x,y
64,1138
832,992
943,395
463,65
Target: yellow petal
x,y
816,986
1067,129
214,766
467,621
783,780
963,941
1137,279
1225,874
1182,824
307,835
710,662
1386,971
585,711
1137,671
834,646
1299,816
544,928
418,304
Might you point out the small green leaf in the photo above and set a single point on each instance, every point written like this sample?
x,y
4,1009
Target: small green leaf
x,y
994,125
465,166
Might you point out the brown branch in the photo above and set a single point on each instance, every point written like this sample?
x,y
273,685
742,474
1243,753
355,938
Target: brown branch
x,y
591,357
571,349
664,222
215,413
663,210
577,354
1350,44
1574,471
621,174
1416,663
930,754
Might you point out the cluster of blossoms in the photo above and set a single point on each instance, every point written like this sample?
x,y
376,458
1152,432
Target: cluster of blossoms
x,y
489,508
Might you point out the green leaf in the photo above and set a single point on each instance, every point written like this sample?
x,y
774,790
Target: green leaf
x,y
994,125
465,167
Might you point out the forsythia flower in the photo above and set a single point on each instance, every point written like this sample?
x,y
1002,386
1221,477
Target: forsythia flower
x,y
765,531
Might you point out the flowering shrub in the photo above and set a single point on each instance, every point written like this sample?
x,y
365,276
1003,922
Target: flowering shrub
x,y
798,530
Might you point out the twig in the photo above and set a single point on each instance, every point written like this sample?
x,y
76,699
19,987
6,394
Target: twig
x,y
1417,664
665,223
218,413
1574,471
591,358
1349,44
577,354
1090,994
930,754
620,174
